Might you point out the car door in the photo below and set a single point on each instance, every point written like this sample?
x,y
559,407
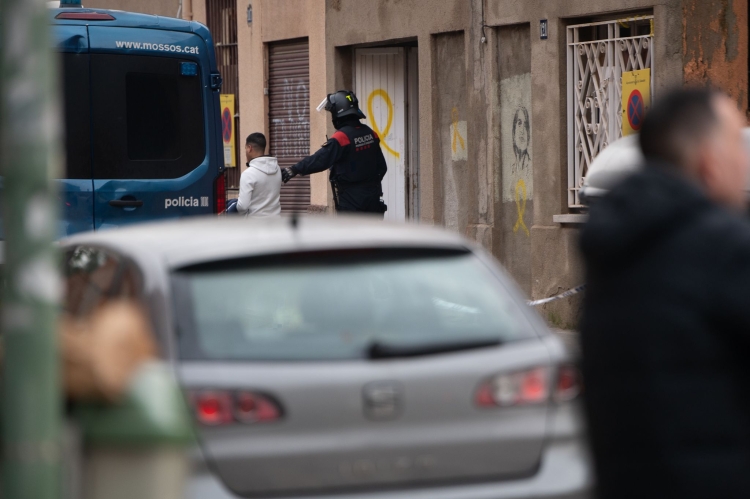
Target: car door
x,y
75,183
149,152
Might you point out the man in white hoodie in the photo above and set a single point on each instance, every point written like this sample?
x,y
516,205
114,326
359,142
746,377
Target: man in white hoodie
x,y
260,184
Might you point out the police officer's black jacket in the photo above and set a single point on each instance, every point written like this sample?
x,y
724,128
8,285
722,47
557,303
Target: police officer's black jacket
x,y
665,338
357,166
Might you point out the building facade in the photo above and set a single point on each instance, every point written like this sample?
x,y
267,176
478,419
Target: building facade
x,y
168,8
489,111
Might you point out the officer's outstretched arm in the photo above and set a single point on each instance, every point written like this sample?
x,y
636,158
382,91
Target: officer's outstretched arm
x,y
322,160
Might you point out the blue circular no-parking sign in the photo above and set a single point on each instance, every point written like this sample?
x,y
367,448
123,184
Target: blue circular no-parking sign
x,y
636,110
226,124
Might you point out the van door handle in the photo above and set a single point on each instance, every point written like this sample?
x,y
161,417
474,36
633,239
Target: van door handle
x,y
126,203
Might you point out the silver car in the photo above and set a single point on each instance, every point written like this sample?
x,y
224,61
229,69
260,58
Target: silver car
x,y
345,357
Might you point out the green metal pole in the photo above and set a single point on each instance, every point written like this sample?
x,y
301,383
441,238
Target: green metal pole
x,y
29,153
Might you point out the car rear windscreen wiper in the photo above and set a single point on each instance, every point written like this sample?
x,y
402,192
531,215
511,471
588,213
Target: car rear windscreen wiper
x,y
380,350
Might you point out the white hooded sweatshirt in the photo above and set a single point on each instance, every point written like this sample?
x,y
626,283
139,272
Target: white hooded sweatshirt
x,y
260,186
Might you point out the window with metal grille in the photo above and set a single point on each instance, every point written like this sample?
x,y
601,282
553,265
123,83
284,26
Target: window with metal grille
x,y
221,17
598,54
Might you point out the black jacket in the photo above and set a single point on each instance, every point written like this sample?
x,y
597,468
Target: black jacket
x,y
357,166
666,341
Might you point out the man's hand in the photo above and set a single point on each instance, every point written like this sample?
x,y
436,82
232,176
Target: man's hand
x,y
287,174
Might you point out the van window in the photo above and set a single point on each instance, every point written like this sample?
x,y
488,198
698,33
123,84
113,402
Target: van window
x,y
77,113
153,110
148,118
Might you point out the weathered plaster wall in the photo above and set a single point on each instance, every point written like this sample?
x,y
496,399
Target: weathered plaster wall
x,y
198,10
469,202
353,22
555,262
514,173
252,73
166,8
715,45
273,21
453,144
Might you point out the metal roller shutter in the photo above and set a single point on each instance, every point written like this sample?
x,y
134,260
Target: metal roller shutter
x,y
289,116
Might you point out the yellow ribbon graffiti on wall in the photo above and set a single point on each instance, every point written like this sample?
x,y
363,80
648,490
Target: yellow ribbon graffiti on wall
x,y
387,99
456,136
521,206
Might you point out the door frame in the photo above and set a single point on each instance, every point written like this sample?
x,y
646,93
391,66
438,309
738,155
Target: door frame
x,y
411,117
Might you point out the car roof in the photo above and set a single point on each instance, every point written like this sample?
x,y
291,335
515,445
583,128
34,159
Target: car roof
x,y
203,239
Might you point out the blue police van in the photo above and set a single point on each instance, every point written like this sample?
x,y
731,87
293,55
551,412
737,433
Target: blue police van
x,y
140,95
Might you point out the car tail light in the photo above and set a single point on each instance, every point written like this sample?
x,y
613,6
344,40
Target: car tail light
x,y
568,383
85,16
213,408
253,408
220,193
532,386
221,407
512,389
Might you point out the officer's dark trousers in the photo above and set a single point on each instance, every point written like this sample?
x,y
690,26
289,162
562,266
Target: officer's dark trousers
x,y
359,200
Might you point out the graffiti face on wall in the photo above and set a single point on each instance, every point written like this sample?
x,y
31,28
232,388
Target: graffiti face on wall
x,y
517,183
521,134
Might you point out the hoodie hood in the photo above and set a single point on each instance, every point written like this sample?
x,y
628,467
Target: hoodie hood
x,y
267,164
637,214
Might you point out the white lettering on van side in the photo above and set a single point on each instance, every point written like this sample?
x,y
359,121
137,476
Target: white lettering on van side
x,y
183,202
161,47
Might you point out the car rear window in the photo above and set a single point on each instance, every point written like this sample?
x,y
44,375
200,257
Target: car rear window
x,y
326,307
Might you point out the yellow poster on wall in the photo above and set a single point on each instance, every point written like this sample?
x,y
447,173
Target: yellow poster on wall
x,y
227,129
636,100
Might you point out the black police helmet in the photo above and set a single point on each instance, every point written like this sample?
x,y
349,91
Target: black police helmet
x,y
342,104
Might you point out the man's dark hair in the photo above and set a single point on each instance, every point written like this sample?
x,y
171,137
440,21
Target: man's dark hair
x,y
257,140
676,122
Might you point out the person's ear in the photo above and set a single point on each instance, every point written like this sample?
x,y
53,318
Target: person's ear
x,y
705,168
703,172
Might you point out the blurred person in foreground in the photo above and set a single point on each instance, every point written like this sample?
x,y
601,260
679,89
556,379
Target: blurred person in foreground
x,y
666,324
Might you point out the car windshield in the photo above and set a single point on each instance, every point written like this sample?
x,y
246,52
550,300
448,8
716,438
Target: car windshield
x,y
324,307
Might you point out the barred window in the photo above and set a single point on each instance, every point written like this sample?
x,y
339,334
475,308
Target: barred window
x,y
598,55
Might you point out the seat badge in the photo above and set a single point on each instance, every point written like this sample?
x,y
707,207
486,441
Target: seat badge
x,y
383,400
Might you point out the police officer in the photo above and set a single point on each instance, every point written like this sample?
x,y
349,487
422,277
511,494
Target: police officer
x,y
353,154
